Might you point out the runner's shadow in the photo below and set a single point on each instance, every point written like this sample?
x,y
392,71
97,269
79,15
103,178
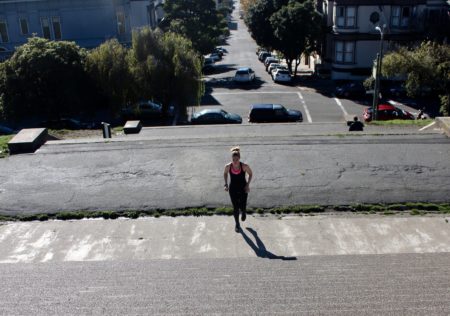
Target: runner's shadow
x,y
259,249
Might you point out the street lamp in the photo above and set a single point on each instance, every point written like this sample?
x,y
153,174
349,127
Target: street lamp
x,y
377,75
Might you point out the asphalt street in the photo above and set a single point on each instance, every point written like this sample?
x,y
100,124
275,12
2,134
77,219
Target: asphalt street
x,y
314,98
178,173
406,284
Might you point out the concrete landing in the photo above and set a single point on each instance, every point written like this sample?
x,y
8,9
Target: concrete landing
x,y
214,237
444,124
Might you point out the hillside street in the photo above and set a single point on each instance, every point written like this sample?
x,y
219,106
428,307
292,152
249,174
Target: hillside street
x,y
329,263
172,173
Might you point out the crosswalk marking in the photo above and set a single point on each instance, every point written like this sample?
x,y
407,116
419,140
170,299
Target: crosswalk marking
x,y
308,115
340,105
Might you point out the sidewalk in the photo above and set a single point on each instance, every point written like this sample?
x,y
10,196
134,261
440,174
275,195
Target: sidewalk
x,y
214,237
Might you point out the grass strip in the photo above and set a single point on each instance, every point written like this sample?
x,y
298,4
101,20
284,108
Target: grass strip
x,y
413,208
402,122
4,150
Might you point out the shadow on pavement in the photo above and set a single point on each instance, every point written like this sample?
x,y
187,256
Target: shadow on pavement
x,y
259,249
229,83
222,68
322,86
209,99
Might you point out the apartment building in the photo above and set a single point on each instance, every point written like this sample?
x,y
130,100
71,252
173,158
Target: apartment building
x,y
87,22
352,41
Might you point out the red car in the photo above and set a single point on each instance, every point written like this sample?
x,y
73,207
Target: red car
x,y
388,112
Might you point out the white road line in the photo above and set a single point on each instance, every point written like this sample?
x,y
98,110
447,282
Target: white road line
x,y
252,92
340,105
429,125
308,115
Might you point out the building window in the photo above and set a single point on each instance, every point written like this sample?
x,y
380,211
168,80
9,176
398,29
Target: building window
x,y
120,23
346,16
45,28
345,52
400,16
23,26
56,23
4,32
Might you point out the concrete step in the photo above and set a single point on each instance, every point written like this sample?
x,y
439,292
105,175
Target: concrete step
x,y
214,237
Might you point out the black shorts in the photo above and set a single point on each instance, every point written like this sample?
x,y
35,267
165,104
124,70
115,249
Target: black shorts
x,y
239,200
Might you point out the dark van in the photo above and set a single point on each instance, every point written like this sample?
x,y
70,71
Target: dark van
x,y
260,113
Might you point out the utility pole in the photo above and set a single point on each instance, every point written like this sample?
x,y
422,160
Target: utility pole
x,y
376,91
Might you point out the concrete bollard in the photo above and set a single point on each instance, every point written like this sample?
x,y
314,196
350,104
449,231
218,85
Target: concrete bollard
x,y
106,130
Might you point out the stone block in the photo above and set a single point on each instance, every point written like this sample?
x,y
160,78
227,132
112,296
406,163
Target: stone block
x,y
27,140
132,127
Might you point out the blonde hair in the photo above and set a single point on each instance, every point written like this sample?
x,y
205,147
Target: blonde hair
x,y
236,151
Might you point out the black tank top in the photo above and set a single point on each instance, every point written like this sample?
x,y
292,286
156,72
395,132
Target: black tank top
x,y
238,181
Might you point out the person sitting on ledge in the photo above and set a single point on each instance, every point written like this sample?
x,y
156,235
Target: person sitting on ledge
x,y
356,125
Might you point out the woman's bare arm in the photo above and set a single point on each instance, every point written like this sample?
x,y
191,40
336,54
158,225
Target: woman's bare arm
x,y
250,176
225,176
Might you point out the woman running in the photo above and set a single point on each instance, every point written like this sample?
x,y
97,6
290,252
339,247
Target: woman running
x,y
239,185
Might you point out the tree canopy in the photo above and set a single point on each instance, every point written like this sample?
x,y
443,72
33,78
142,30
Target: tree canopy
x,y
425,66
107,65
45,79
290,27
166,67
197,20
49,80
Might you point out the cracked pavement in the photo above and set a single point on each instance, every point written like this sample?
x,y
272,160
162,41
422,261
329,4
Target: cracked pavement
x,y
171,173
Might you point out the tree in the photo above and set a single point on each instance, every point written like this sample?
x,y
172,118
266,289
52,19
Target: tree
x,y
425,66
197,20
45,79
108,67
297,28
290,27
2,89
166,68
246,4
257,20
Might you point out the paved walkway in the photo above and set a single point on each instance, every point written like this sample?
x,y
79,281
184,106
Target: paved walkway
x,y
164,174
214,237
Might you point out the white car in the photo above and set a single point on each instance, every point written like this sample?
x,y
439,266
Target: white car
x,y
244,75
281,75
274,69
272,66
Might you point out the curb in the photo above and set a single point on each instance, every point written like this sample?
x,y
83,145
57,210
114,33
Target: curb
x,y
444,123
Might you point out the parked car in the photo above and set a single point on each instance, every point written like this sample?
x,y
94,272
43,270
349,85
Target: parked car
x,y
219,50
270,60
214,56
351,90
5,130
215,116
387,112
208,64
68,123
276,68
244,75
263,55
395,90
272,66
143,110
259,50
260,113
281,75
